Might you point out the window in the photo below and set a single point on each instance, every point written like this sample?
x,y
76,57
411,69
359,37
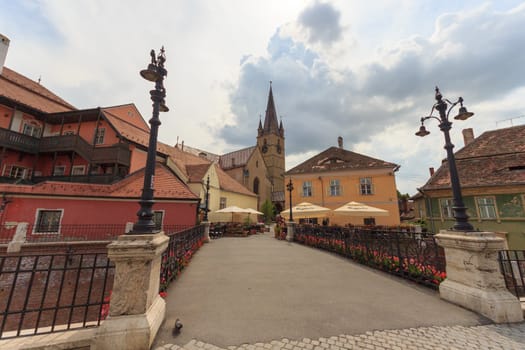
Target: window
x,y
158,216
18,172
59,170
32,130
486,207
335,188
365,186
256,185
446,208
222,203
78,170
48,221
369,221
99,136
307,189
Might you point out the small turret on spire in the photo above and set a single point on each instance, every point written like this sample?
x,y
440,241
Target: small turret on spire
x,y
260,128
281,129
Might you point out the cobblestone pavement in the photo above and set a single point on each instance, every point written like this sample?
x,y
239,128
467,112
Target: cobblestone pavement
x,y
506,336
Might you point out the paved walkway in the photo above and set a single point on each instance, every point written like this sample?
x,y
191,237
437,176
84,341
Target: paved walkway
x,y
259,293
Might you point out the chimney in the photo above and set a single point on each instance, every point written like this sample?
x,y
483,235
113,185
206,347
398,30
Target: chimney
x,y
431,170
182,145
468,136
340,142
4,46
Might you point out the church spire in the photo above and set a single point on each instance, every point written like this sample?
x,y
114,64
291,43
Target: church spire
x,y
270,119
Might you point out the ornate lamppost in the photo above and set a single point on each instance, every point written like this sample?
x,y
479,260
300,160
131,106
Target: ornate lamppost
x,y
154,73
444,107
207,198
289,187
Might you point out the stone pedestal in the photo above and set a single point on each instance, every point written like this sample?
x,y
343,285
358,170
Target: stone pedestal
x,y
289,231
136,310
206,231
474,280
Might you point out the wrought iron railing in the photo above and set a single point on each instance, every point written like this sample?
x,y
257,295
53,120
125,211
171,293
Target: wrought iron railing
x,y
48,293
182,245
415,256
74,232
512,263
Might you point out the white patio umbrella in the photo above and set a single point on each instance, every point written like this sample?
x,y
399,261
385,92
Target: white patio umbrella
x,y
253,211
360,209
306,210
231,209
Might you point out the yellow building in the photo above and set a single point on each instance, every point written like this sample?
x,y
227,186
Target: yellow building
x,y
336,176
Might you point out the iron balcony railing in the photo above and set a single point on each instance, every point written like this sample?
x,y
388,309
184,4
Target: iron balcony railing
x,y
48,293
411,255
512,263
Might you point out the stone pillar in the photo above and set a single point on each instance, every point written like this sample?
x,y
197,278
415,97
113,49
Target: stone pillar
x,y
474,280
290,230
206,231
15,246
136,310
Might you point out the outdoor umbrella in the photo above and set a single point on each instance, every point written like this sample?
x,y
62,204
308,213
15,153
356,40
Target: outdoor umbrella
x,y
232,209
360,209
306,210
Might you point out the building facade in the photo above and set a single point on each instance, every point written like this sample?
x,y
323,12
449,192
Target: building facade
x,y
491,170
337,176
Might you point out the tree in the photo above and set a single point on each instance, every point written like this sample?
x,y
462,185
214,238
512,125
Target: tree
x,y
268,209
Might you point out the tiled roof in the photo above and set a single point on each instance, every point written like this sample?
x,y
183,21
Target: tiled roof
x,y
335,158
128,122
167,186
195,168
237,158
495,158
196,172
201,153
25,91
229,184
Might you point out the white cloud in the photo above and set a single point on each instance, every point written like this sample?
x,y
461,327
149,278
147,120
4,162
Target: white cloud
x,y
367,74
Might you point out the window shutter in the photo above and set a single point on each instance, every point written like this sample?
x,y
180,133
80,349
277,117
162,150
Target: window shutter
x,y
372,189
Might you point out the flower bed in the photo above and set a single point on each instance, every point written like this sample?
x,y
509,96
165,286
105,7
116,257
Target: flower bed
x,y
411,255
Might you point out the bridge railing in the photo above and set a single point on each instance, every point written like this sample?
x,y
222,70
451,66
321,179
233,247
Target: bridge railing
x,y
512,263
184,242
53,292
403,252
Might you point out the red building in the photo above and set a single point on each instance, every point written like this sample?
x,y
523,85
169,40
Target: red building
x,y
60,166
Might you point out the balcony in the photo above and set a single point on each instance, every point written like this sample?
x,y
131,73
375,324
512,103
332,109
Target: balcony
x,y
19,142
66,143
116,154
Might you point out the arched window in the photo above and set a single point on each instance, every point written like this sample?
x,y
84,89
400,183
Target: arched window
x,y
256,185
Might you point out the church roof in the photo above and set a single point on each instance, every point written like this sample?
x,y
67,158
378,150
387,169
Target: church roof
x,y
237,158
336,158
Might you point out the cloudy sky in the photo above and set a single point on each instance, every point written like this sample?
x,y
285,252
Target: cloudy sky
x,y
363,70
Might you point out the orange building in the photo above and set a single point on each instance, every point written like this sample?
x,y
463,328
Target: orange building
x,y
336,176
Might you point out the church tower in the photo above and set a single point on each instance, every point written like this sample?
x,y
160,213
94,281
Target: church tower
x,y
270,141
